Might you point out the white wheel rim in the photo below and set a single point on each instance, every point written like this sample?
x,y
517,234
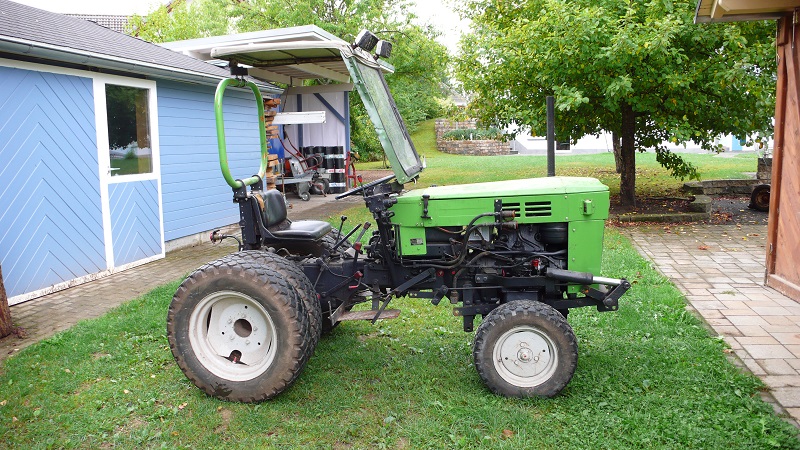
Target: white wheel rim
x,y
525,356
232,336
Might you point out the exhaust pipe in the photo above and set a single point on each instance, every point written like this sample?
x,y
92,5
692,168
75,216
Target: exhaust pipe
x,y
584,278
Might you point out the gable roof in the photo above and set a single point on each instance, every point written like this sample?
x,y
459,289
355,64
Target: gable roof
x,y
36,33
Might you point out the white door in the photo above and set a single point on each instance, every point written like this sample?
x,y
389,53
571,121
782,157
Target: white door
x,y
130,174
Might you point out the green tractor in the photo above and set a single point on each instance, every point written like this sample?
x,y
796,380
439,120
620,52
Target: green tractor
x,y
518,254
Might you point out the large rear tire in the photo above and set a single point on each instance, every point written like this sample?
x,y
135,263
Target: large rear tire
x,y
525,349
331,239
238,330
297,279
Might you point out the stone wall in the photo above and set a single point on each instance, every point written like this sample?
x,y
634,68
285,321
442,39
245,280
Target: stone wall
x,y
764,169
462,147
721,187
475,148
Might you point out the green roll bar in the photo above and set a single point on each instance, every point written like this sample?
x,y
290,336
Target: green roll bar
x,y
223,152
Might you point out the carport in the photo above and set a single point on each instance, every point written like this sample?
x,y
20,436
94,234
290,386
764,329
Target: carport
x,y
312,115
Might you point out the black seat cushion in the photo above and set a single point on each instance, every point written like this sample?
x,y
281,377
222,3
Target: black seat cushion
x,y
276,222
303,229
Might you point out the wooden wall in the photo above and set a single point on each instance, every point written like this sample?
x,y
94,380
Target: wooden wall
x,y
195,196
783,239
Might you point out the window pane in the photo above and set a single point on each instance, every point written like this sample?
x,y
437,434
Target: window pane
x,y
128,130
388,122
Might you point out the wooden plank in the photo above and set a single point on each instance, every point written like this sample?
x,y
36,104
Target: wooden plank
x,y
369,315
783,234
777,151
783,286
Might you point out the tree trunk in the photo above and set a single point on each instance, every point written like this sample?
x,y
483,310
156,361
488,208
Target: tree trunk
x,y
627,182
617,147
6,327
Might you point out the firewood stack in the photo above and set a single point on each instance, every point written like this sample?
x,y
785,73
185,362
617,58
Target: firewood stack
x,y
270,110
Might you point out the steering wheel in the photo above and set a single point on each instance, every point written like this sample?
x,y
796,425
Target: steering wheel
x,y
361,188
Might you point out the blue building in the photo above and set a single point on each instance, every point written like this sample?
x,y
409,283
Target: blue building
x,y
107,150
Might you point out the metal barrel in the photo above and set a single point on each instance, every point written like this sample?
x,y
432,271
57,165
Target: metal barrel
x,y
336,158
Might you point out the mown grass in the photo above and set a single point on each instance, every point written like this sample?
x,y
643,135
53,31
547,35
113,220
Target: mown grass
x,y
649,376
651,179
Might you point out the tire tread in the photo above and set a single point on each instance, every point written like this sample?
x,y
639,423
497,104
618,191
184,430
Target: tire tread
x,y
275,287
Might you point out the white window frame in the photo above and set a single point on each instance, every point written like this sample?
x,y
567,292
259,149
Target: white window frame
x,y
100,81
101,122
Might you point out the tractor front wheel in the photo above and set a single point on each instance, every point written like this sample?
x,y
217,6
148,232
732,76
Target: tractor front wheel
x,y
525,349
238,330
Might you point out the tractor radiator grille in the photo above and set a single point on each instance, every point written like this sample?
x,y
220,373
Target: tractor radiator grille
x,y
531,209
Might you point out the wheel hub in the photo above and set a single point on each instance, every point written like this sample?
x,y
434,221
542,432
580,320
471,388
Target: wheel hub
x,y
525,356
232,335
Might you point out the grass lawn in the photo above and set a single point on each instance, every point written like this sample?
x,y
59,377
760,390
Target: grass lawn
x,y
649,376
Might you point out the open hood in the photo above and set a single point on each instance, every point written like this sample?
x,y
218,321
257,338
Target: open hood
x,y
337,60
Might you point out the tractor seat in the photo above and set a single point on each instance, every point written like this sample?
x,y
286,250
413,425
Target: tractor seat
x,y
274,214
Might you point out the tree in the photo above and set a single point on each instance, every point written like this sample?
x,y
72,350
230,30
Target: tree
x,y
640,69
420,62
6,326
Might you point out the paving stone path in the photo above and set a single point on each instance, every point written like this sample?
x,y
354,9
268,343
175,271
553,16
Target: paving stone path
x,y
720,269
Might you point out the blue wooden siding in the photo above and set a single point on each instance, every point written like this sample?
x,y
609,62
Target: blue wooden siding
x,y
51,227
195,196
135,222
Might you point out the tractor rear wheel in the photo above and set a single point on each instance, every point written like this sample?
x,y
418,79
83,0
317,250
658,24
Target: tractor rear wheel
x,y
238,330
297,279
525,349
331,239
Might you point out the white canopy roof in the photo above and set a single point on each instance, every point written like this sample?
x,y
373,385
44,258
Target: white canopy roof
x,y
286,55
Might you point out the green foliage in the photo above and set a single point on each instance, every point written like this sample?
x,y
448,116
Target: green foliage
x,y
420,62
471,134
181,20
683,81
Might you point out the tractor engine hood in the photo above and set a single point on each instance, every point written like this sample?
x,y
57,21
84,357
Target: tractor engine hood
x,y
506,189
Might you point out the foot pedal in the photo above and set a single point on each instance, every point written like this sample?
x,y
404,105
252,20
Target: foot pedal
x,y
369,315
